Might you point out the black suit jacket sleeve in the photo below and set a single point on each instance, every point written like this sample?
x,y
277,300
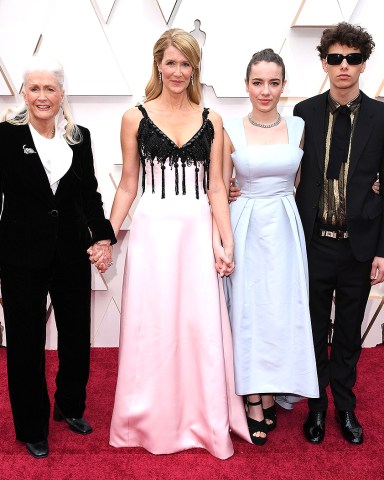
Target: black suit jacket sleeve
x,y
98,225
380,243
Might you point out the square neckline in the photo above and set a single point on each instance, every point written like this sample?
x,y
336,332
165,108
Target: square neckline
x,y
248,145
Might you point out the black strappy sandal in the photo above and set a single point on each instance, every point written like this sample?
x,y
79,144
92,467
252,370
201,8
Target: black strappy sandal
x,y
255,426
270,414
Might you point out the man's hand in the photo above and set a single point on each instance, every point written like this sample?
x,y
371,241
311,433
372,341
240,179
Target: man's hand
x,y
234,191
376,186
377,272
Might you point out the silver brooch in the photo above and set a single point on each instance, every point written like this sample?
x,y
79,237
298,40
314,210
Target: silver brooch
x,y
28,150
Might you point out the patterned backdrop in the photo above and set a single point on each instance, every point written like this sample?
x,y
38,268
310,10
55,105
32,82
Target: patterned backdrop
x,y
106,49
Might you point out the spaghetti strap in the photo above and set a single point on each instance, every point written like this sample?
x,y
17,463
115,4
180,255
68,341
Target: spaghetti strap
x,y
142,110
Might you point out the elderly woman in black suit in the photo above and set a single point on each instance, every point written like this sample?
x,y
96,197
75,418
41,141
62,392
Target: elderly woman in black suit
x,y
51,213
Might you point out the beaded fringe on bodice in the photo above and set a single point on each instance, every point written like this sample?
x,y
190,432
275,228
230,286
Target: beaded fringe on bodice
x,y
155,145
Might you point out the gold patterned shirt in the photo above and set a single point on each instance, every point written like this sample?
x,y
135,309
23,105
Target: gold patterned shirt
x,y
332,205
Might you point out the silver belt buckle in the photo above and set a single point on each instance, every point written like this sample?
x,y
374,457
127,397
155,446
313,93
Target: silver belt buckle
x,y
337,235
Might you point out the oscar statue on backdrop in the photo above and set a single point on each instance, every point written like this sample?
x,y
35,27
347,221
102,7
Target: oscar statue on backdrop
x,y
200,36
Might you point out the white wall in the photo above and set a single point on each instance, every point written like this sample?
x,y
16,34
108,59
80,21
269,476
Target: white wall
x,y
106,49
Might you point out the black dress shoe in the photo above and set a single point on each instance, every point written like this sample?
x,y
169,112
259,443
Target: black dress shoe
x,y
350,427
78,425
38,449
314,426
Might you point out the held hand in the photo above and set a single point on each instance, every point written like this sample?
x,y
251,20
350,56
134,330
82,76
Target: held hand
x,y
100,255
223,260
376,186
377,271
105,260
234,191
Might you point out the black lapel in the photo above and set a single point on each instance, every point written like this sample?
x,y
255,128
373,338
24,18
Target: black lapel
x,y
66,183
362,132
319,131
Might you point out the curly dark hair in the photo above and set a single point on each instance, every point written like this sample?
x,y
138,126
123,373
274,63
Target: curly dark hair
x,y
352,36
266,55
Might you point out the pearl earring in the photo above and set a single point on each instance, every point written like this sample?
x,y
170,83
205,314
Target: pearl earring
x,y
160,79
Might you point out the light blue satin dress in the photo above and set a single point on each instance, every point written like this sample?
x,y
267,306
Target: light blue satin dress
x,y
267,295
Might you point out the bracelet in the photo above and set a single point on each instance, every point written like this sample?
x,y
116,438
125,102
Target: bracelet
x,y
103,244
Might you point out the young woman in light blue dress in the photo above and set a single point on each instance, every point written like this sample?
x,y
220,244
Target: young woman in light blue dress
x,y
267,295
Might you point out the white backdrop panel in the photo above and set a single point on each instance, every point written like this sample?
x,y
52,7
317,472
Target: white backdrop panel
x,y
106,49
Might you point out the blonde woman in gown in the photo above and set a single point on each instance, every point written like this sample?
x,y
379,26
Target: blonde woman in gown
x,y
175,386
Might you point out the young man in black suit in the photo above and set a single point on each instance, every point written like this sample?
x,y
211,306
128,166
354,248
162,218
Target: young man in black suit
x,y
343,219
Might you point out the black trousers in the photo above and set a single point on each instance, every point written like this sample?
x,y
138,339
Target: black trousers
x,y
24,293
333,268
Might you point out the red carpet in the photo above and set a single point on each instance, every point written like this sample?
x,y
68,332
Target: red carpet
x,y
287,455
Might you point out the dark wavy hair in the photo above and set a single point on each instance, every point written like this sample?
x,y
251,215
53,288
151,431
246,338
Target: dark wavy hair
x,y
266,55
347,34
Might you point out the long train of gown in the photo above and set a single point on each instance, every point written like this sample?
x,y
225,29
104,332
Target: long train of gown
x,y
268,292
175,387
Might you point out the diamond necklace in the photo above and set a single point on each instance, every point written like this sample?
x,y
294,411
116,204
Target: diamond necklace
x,y
264,125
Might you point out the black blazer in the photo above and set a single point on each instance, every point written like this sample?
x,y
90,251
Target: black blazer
x,y
35,223
364,208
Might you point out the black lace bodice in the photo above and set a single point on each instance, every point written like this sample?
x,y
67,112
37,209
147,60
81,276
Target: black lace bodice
x,y
154,145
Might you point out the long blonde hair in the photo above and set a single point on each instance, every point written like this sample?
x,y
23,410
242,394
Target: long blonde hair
x,y
188,46
20,115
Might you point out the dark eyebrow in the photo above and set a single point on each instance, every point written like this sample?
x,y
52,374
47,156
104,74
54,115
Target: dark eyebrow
x,y
270,80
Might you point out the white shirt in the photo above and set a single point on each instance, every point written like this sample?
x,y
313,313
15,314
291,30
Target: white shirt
x,y
55,153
